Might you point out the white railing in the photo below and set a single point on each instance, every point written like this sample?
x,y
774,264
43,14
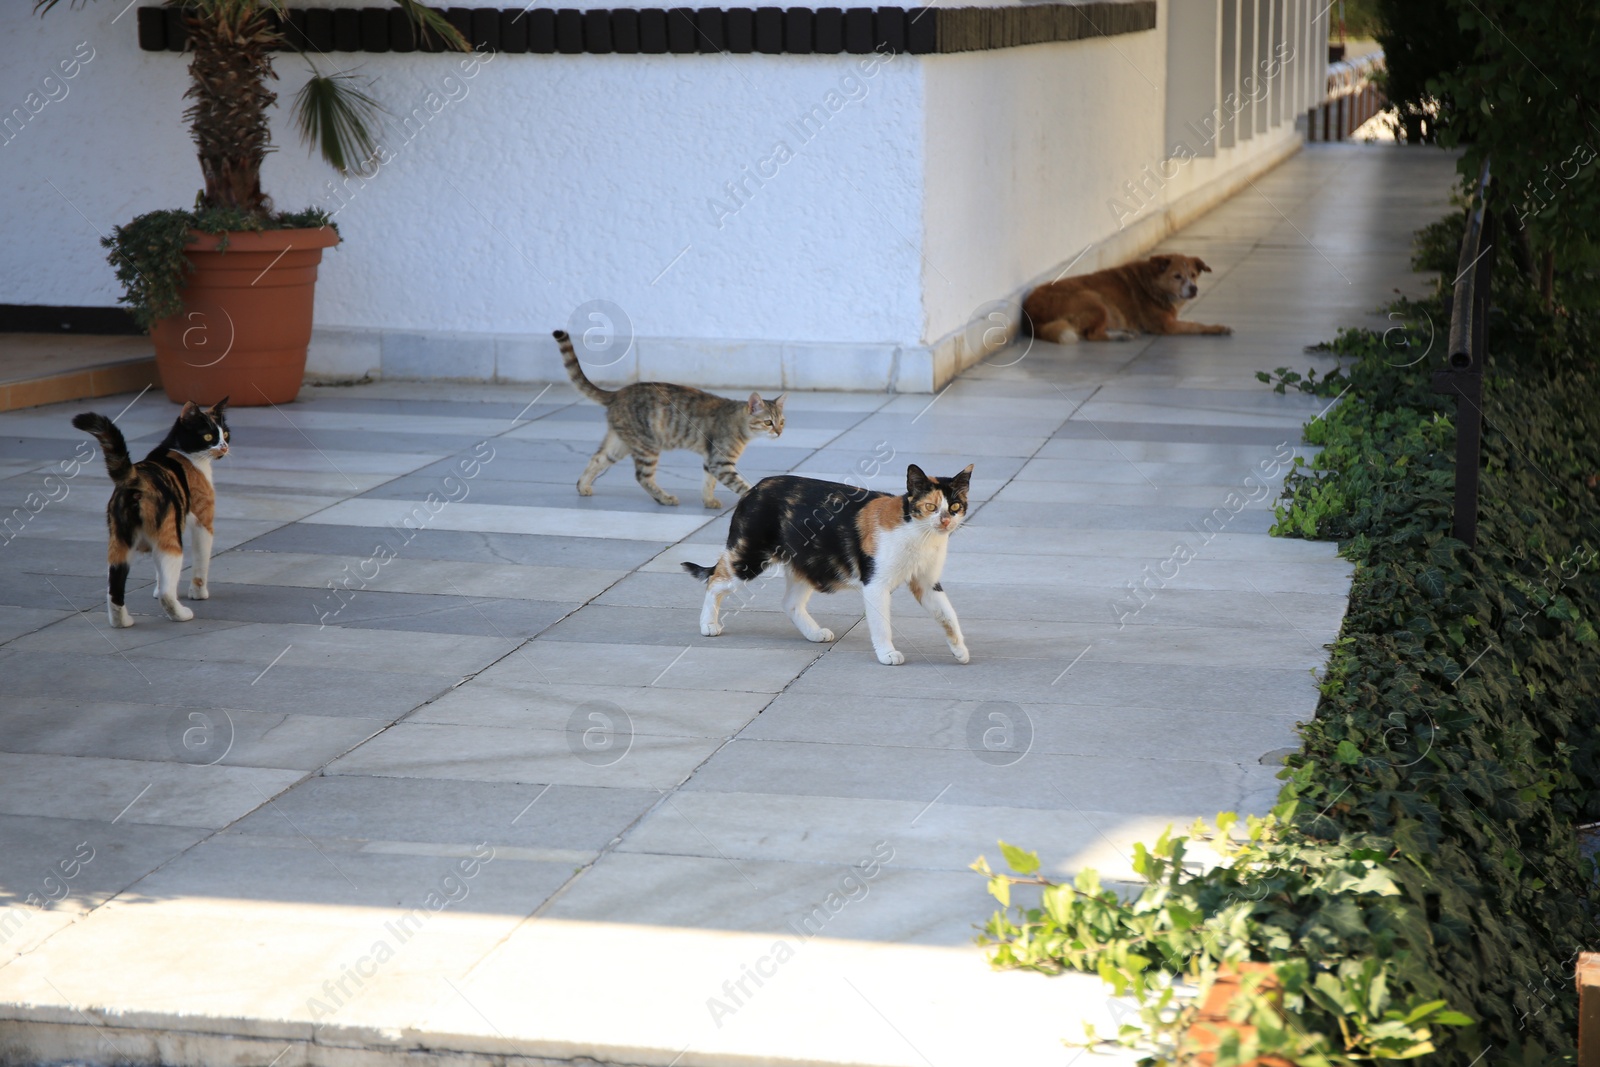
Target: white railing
x,y
1352,97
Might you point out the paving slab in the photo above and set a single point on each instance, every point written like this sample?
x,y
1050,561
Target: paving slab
x,y
452,775
126,729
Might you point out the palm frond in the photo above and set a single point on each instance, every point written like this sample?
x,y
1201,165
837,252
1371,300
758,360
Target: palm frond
x,y
426,19
338,118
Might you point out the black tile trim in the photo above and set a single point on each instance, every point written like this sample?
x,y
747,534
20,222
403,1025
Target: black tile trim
x,y
35,318
689,31
347,29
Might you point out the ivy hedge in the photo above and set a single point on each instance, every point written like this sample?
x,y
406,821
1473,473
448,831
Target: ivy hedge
x,y
1419,887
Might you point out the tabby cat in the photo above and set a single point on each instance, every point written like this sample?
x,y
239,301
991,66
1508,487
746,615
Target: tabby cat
x,y
827,535
648,418
155,497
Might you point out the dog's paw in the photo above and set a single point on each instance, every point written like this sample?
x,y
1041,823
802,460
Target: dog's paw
x,y
891,658
198,592
1225,330
961,654
1121,335
821,637
710,629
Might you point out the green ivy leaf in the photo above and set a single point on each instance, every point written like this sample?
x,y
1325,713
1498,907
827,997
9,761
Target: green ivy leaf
x,y
1020,860
1432,582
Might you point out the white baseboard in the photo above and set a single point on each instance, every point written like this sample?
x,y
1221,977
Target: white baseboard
x,y
344,354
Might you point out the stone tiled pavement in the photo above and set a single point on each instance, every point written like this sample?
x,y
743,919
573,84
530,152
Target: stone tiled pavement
x,y
266,789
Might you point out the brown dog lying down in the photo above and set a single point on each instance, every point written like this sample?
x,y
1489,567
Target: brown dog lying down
x,y
1120,303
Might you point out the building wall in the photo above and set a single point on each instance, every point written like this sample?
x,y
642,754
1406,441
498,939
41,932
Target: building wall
x,y
1024,148
519,190
793,221
1068,158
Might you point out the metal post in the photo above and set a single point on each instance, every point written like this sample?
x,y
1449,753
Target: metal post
x,y
1469,436
1463,377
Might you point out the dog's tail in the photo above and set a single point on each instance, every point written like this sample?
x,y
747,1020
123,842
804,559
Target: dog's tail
x,y
569,359
702,574
118,463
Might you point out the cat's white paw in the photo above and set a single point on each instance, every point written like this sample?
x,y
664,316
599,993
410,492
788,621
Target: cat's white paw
x,y
586,490
961,654
198,592
119,616
710,629
713,503
667,500
176,611
891,658
155,591
821,636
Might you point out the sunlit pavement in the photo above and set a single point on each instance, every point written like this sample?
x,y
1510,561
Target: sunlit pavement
x,y
444,766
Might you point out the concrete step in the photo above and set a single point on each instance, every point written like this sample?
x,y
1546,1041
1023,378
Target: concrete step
x,y
47,368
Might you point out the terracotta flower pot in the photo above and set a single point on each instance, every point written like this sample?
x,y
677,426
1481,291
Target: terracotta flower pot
x,y
246,319
1207,1031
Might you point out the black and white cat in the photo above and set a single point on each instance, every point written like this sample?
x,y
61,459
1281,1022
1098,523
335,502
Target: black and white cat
x,y
827,535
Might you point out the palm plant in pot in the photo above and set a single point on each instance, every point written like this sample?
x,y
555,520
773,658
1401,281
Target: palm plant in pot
x,y
226,288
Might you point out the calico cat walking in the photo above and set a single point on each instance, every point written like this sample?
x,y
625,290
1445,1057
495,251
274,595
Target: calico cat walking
x,y
155,497
827,535
648,418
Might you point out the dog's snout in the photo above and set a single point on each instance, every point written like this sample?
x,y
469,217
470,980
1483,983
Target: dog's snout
x,y
1190,290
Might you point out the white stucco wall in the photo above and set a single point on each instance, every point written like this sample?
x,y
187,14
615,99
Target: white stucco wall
x,y
1055,157
522,187
541,183
1024,145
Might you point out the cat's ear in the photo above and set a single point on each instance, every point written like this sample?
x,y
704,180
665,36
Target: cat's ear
x,y
756,404
777,402
189,408
961,480
916,482
216,409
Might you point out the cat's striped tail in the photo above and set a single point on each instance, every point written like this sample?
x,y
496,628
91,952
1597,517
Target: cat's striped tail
x,y
569,359
118,464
